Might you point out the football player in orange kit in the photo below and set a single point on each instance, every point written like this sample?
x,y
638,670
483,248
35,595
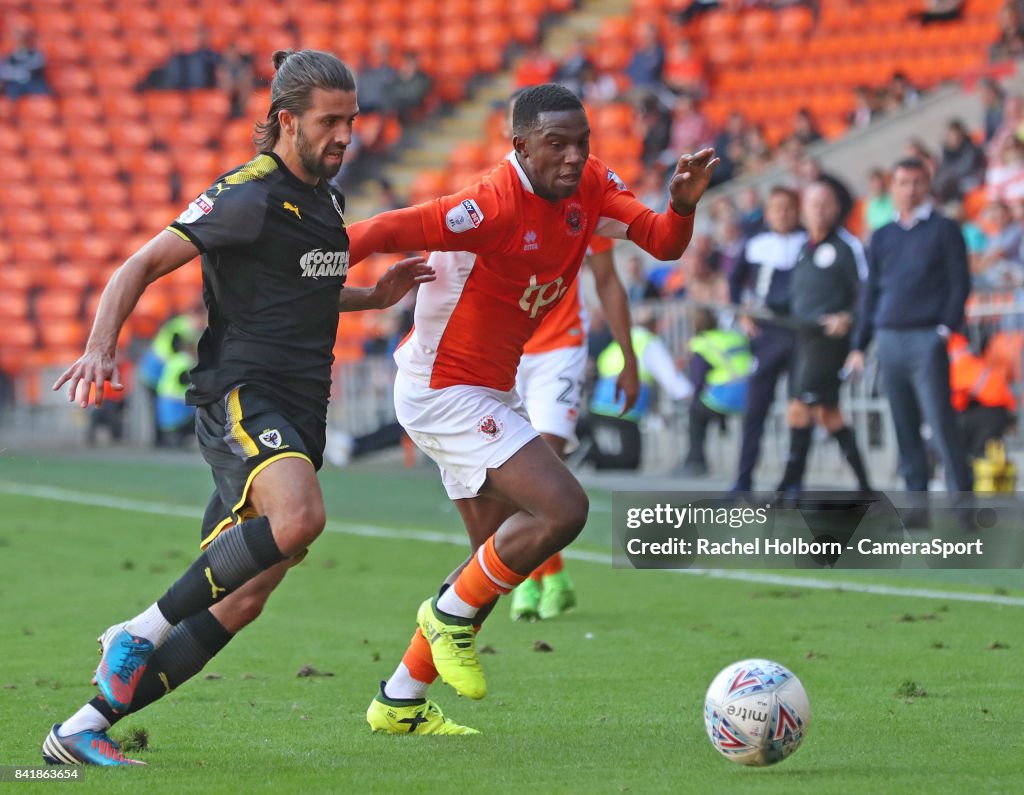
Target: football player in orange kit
x,y
513,245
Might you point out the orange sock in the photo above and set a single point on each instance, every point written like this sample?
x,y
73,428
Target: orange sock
x,y
418,660
552,565
486,577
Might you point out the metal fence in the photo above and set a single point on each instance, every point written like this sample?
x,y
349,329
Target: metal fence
x,y
362,401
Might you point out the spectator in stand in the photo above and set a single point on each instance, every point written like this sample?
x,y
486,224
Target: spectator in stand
x,y
645,67
696,7
387,199
1010,43
685,72
757,153
638,286
1011,126
23,70
576,67
939,11
962,167
730,148
705,282
651,189
653,125
731,242
751,210
602,87
974,238
916,150
1004,179
804,128
903,92
195,68
999,266
412,86
691,130
992,98
377,79
877,207
236,77
535,67
865,107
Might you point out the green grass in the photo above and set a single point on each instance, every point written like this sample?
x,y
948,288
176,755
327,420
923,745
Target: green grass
x,y
908,694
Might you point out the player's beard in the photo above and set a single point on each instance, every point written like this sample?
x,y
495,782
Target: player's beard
x,y
314,161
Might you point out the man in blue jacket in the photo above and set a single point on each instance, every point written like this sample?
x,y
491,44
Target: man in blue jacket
x,y
917,285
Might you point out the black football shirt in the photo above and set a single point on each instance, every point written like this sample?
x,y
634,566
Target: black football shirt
x,y
274,257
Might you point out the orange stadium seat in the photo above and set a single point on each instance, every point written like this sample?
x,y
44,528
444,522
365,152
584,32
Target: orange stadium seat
x,y
13,304
104,193
24,224
719,25
131,135
115,220
58,303
64,202
164,105
20,334
35,251
88,134
19,196
48,138
62,332
795,21
35,110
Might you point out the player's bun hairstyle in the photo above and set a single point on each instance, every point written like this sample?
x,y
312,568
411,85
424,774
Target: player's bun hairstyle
x,y
535,100
297,74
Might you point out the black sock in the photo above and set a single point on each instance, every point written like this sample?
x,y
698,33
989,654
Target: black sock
x,y
796,462
848,444
231,560
187,650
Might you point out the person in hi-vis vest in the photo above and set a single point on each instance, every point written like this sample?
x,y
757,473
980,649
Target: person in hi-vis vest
x,y
616,436
719,370
174,417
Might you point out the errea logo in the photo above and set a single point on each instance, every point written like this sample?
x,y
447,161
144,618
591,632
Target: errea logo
x,y
317,263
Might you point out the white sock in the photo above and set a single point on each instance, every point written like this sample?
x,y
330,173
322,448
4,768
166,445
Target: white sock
x,y
402,685
451,603
151,625
88,717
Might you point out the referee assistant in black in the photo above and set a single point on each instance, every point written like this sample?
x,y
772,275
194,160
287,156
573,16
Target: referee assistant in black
x,y
274,259
823,297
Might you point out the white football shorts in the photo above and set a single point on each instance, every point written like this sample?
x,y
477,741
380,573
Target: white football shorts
x,y
465,430
551,384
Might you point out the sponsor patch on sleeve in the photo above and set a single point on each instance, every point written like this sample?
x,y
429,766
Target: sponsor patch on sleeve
x,y
613,177
196,210
465,216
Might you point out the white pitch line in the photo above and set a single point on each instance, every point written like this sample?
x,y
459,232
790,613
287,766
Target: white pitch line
x,y
375,531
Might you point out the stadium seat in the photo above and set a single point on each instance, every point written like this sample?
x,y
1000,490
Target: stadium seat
x,y
58,303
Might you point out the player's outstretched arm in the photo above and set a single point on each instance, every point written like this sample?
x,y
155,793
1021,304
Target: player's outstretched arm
x,y
161,255
395,231
691,178
399,279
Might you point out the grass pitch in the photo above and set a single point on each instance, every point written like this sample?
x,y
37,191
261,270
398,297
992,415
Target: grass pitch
x,y
908,694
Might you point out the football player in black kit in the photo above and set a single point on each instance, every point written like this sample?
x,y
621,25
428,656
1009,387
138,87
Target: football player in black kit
x,y
274,259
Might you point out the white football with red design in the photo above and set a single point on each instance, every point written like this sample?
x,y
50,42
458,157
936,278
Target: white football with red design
x,y
756,712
